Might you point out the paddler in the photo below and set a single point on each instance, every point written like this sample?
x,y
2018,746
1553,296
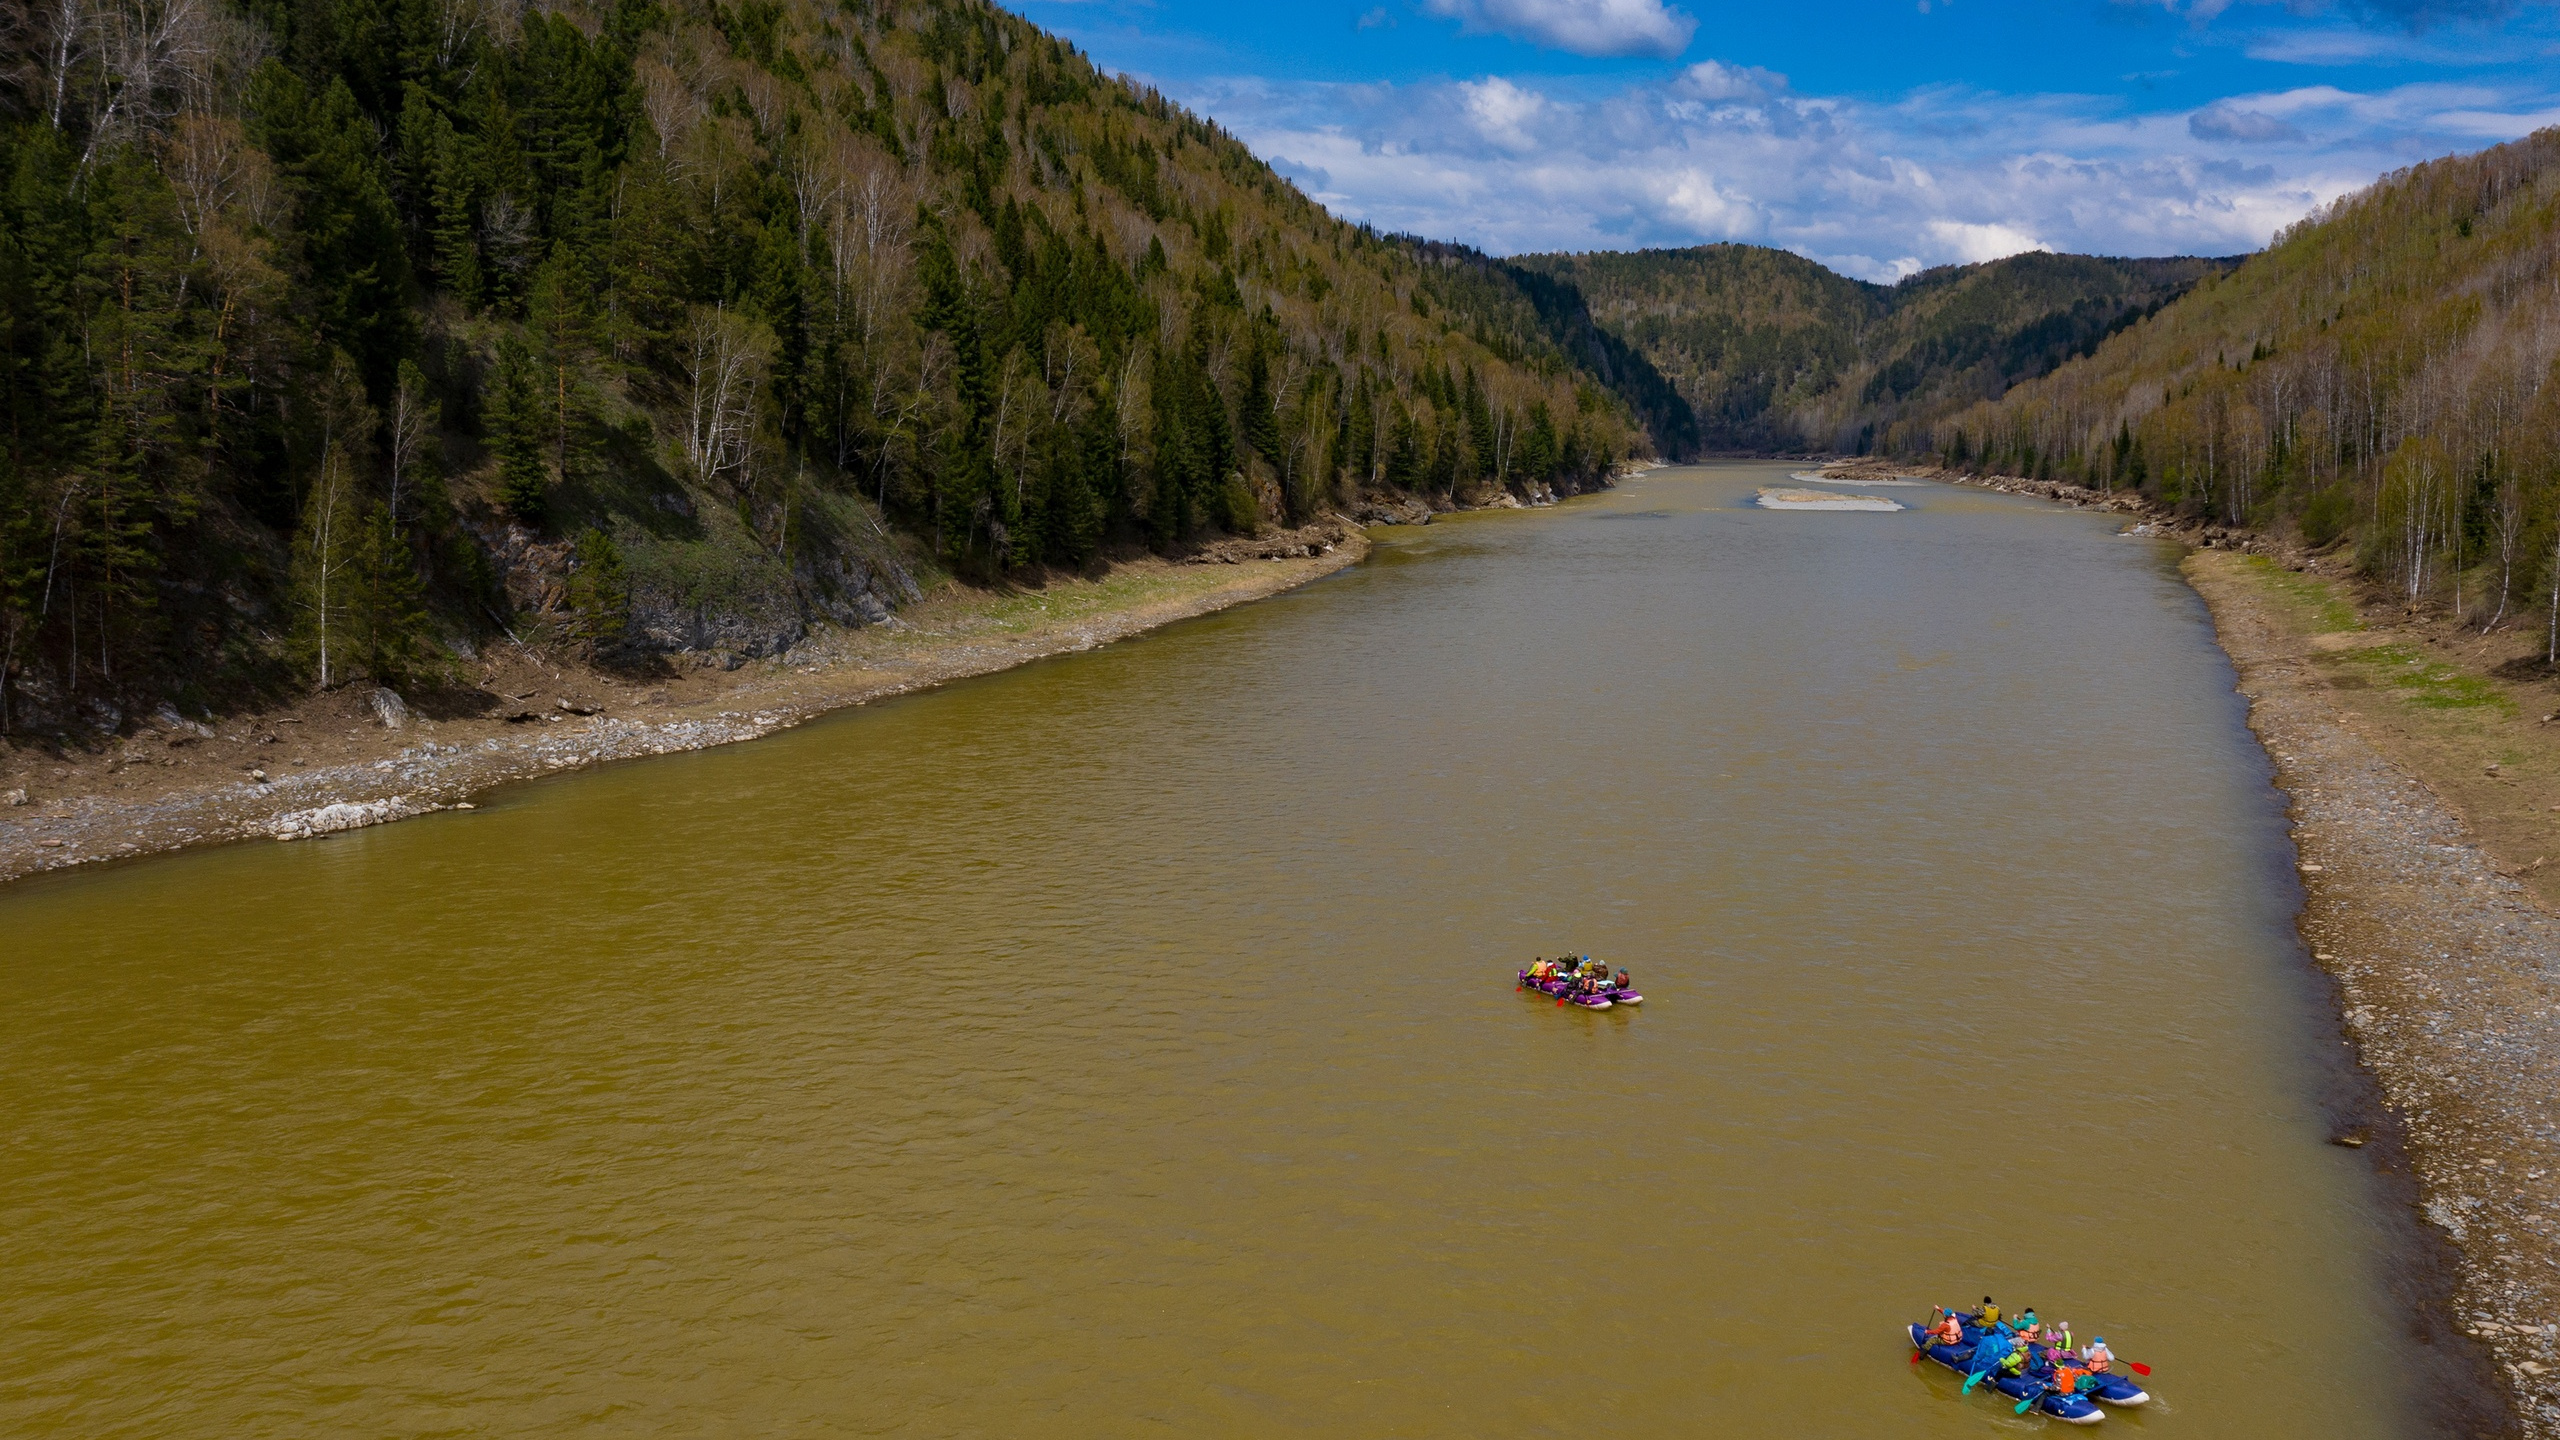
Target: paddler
x,y
1539,969
2030,1329
2098,1357
1949,1331
1623,982
1992,1354
1988,1315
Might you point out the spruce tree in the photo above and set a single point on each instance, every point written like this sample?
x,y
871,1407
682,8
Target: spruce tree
x,y
515,417
558,315
386,608
1261,417
600,590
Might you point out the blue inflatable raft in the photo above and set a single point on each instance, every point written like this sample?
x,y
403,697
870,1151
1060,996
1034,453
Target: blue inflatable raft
x,y
2073,1409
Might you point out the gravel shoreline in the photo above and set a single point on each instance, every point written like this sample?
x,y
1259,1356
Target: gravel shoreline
x,y
426,766
2448,979
2445,970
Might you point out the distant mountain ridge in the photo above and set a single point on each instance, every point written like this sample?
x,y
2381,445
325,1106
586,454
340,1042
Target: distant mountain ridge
x,y
1768,350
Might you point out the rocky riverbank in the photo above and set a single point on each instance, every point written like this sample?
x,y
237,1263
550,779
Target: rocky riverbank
x,y
357,757
2447,964
2421,755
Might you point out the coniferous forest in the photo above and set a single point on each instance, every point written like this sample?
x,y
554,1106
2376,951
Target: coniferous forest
x,y
338,336
341,337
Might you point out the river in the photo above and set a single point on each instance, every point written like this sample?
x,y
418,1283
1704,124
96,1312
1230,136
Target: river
x,y
1124,1044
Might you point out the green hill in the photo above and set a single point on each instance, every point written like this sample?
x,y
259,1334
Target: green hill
x,y
337,336
1769,350
2382,373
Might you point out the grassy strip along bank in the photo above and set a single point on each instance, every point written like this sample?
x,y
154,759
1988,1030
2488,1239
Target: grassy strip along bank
x,y
2422,759
336,762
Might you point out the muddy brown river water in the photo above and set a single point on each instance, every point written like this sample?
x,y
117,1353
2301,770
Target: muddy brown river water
x,y
1125,1044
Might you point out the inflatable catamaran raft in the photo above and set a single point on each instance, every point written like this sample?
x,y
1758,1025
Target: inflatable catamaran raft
x,y
1583,981
2067,1393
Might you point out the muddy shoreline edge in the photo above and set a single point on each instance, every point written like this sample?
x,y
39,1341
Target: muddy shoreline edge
x,y
423,767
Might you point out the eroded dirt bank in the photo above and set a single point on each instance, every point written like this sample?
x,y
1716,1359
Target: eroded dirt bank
x,y
332,764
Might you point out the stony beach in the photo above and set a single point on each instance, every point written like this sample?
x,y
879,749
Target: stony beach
x,y
338,762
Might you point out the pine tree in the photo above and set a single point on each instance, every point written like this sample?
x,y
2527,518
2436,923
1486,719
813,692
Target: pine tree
x,y
386,608
558,315
1480,458
349,232
137,340
600,590
1260,416
21,571
515,417
455,226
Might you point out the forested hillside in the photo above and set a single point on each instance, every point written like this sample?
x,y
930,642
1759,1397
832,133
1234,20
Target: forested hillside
x,y
1769,350
2381,374
337,336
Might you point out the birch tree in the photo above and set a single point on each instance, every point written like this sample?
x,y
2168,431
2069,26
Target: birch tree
x,y
727,360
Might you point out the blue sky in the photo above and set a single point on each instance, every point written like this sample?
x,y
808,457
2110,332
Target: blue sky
x,y
1877,136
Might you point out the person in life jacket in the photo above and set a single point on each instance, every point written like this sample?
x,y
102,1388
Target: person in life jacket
x,y
1623,982
1949,1331
2029,1327
2058,1334
2098,1357
1988,1315
1539,969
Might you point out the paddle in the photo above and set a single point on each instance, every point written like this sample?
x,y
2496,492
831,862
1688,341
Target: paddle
x,y
2138,1368
2023,1406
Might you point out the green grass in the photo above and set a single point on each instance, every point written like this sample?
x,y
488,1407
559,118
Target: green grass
x,y
2314,601
1017,611
2428,684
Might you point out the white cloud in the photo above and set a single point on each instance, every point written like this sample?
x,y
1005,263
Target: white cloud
x,y
1715,80
1585,27
1502,110
1879,190
1695,197
2225,121
1972,244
